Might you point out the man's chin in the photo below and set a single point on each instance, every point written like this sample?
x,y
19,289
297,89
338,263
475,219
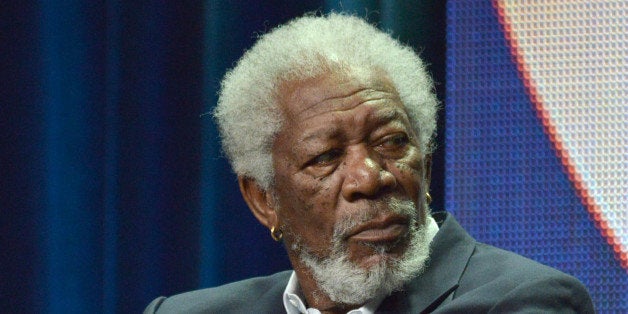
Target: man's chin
x,y
369,255
368,262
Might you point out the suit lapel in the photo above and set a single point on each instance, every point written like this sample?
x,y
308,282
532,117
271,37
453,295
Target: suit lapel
x,y
451,249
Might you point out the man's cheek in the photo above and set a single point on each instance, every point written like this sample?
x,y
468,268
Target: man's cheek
x,y
409,168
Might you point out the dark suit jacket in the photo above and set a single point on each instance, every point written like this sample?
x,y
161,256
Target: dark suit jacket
x,y
463,276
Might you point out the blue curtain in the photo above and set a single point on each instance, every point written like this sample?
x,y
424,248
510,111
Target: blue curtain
x,y
114,189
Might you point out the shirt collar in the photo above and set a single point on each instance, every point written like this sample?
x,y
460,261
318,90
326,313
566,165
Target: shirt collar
x,y
293,297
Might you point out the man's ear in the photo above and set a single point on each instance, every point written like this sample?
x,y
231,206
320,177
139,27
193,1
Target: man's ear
x,y
259,200
427,167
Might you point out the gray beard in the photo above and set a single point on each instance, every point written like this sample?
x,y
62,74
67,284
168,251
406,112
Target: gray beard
x,y
345,282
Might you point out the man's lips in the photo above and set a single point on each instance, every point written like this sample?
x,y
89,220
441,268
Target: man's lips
x,y
386,229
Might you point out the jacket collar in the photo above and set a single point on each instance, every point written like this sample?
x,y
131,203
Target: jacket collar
x,y
451,249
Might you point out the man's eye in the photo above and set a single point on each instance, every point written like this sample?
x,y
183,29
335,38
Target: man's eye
x,y
325,158
395,141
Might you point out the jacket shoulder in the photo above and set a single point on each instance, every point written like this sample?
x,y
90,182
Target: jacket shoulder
x,y
491,264
246,296
502,281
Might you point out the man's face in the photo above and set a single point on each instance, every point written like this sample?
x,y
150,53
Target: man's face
x,y
346,148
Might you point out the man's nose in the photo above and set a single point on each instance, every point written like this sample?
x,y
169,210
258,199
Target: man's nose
x,y
366,175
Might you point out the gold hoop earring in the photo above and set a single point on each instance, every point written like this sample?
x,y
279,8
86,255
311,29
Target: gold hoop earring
x,y
276,234
428,198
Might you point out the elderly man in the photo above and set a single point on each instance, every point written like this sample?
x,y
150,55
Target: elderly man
x,y
328,123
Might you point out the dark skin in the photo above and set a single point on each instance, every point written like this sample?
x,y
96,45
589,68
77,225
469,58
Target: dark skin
x,y
346,143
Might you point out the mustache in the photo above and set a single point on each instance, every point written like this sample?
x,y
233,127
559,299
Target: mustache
x,y
387,206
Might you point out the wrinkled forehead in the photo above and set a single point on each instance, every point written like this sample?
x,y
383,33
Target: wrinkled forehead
x,y
337,90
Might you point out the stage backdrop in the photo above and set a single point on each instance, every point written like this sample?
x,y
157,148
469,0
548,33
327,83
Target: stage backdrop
x,y
113,187
114,190
537,134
